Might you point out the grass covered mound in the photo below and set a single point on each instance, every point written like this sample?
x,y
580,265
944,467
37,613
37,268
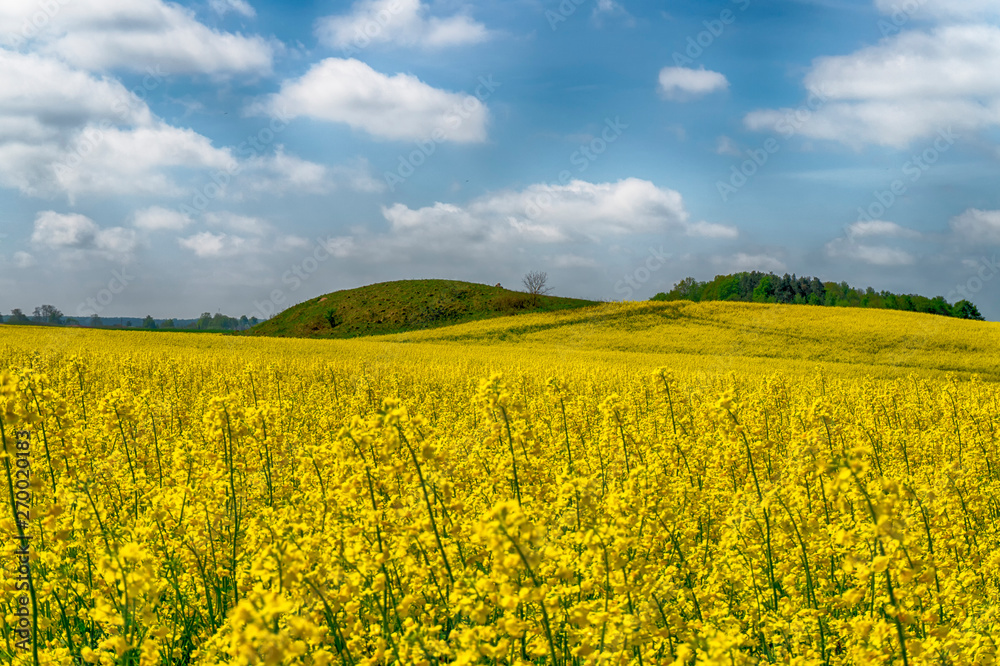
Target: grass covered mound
x,y
404,305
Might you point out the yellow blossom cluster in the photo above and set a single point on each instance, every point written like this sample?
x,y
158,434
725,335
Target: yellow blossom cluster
x,y
207,500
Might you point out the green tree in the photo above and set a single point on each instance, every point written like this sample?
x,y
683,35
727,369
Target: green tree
x,y
764,291
18,317
96,321
149,322
966,310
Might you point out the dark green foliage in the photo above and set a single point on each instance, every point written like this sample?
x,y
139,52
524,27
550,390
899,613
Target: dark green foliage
x,y
966,310
770,288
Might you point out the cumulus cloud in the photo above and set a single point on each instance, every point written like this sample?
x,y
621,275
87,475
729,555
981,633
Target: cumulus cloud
x,y
876,255
67,132
912,85
78,236
861,239
400,107
400,23
576,214
42,99
103,35
206,244
233,235
683,83
977,226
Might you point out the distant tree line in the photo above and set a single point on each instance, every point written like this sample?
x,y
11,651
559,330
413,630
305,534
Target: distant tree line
x,y
760,287
52,316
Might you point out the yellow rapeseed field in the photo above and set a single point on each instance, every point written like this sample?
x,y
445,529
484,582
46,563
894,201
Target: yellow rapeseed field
x,y
637,484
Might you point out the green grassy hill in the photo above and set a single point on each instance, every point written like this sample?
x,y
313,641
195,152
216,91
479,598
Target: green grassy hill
x,y
404,305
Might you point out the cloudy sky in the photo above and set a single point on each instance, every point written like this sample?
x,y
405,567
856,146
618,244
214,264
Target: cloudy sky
x,y
170,158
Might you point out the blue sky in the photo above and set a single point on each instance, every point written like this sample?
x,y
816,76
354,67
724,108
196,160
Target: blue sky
x,y
244,155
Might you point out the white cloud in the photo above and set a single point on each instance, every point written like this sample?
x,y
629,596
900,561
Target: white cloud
x,y
397,22
138,35
67,132
977,226
576,213
39,97
55,230
912,85
876,255
134,161
684,83
856,245
240,235
63,131
880,228
206,244
77,236
398,107
157,218
223,7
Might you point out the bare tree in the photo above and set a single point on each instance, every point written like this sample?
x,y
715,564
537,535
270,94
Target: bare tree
x,y
534,283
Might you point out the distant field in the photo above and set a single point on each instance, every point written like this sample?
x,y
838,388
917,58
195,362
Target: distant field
x,y
640,483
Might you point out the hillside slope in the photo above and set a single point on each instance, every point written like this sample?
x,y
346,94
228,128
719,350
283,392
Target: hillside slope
x,y
718,333
403,305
